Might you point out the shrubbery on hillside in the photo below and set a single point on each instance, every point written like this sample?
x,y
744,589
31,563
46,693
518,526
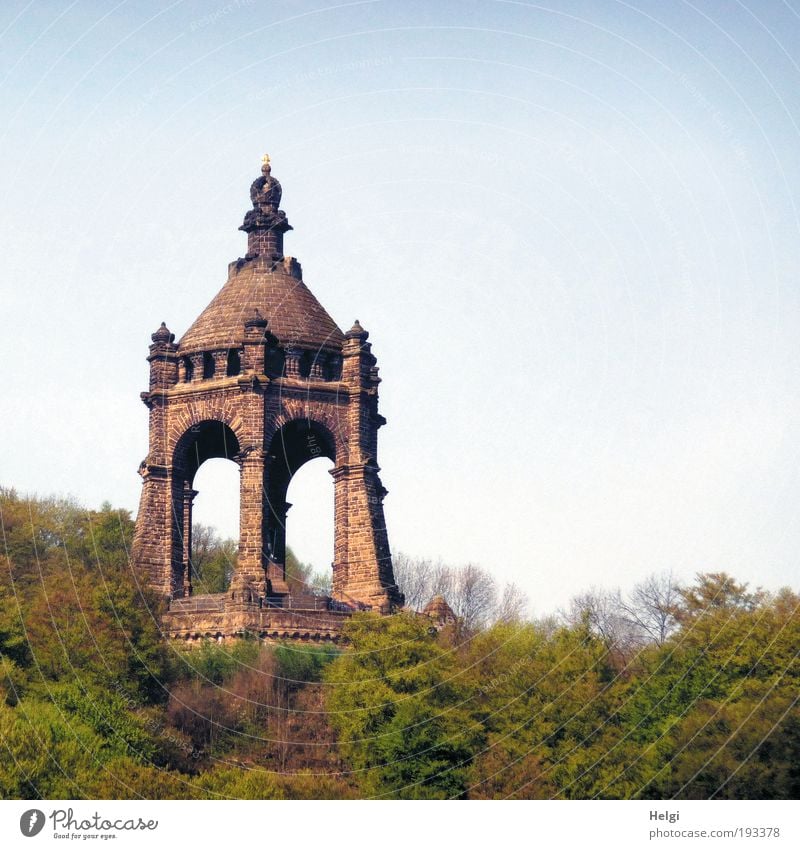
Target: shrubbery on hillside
x,y
687,692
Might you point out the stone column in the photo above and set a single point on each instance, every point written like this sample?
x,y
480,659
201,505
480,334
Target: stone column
x,y
249,579
317,371
220,363
188,500
197,366
154,537
362,560
177,486
152,549
255,337
363,564
293,355
341,551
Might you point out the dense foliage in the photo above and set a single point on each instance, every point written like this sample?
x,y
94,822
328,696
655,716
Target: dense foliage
x,y
674,691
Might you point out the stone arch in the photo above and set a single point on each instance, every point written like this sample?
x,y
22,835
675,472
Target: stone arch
x,y
303,435
207,439
316,416
214,412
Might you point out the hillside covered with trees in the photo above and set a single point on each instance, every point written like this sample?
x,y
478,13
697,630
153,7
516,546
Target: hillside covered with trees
x,y
669,691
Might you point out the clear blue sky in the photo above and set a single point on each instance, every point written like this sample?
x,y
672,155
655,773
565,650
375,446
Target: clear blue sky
x,y
571,229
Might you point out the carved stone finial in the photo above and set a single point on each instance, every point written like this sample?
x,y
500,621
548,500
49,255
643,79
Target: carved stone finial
x,y
265,193
357,332
163,334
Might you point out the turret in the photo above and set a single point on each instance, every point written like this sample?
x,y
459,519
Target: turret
x,y
163,359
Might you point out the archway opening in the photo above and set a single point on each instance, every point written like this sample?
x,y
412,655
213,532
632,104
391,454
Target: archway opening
x,y
301,445
215,525
310,527
199,447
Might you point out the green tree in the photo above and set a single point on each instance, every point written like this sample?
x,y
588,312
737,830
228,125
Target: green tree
x,y
717,701
213,560
397,704
544,698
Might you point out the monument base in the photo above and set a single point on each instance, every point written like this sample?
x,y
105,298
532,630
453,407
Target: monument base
x,y
221,617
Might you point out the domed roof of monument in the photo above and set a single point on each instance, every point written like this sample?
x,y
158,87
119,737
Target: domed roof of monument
x,y
266,282
295,316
